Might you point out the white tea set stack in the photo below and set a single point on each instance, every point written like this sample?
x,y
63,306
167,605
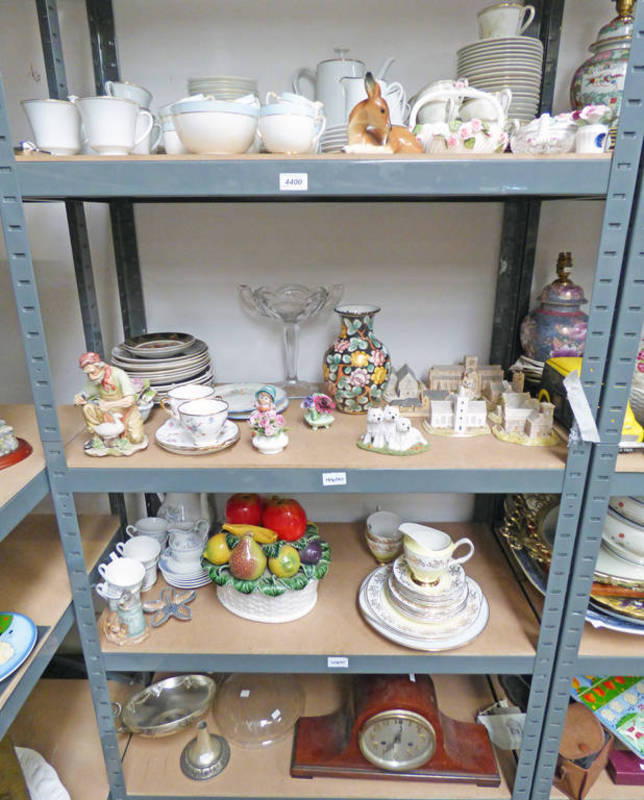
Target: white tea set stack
x,y
423,600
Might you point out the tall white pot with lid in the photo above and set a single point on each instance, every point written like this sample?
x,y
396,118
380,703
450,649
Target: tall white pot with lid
x,y
326,82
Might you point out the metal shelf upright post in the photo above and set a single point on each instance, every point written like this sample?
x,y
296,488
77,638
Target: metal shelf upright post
x,y
607,372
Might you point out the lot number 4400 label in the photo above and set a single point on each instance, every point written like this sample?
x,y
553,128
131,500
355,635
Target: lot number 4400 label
x,y
294,182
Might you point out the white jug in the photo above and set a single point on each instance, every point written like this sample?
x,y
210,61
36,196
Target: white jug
x,y
184,509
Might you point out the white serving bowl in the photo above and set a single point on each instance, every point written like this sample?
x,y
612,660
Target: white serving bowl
x,y
215,127
623,537
290,128
630,507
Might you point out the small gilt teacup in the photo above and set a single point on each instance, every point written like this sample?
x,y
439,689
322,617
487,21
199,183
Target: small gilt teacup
x,y
383,536
428,552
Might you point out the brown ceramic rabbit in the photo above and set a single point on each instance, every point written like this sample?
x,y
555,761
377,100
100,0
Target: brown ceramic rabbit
x,y
370,124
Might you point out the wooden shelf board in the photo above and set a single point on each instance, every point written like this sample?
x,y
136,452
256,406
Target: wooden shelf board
x,y
630,462
603,643
332,449
335,626
58,721
151,766
33,575
23,420
164,158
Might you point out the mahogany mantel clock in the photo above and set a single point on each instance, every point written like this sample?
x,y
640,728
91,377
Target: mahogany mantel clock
x,y
391,727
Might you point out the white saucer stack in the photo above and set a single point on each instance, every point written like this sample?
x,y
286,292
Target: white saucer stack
x,y
222,87
334,139
513,62
190,579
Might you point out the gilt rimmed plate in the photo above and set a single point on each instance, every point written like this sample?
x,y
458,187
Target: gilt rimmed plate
x,y
174,438
158,345
631,608
432,637
196,349
18,636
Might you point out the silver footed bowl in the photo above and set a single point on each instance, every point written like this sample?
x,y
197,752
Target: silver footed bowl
x,y
168,706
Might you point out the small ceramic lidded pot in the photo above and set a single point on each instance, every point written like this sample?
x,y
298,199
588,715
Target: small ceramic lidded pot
x,y
357,365
558,326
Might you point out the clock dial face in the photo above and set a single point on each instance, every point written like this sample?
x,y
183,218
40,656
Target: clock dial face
x,y
397,740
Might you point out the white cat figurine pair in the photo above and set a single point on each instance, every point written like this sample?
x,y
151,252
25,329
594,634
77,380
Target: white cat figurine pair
x,y
388,431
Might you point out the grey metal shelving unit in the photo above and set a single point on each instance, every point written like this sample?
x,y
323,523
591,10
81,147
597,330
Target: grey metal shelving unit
x,y
584,483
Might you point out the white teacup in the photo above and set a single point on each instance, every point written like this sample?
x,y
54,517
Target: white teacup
x,y
504,19
154,527
56,125
203,419
184,550
151,141
109,593
146,550
111,123
383,536
428,551
123,575
181,394
592,139
297,99
172,144
288,128
129,91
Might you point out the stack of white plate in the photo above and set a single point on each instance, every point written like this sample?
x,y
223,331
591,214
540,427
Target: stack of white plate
x,y
192,579
512,62
223,87
165,360
333,139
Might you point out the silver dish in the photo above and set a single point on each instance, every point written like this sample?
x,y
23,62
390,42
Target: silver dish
x,y
167,707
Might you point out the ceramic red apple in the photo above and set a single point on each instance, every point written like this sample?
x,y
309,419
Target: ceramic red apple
x,y
285,516
244,508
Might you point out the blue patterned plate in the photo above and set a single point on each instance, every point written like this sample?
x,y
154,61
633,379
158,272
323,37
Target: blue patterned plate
x,y
18,635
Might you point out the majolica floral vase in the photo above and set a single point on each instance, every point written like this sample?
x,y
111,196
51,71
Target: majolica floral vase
x,y
600,79
357,365
558,326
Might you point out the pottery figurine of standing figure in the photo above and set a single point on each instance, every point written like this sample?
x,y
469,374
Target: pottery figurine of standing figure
x,y
269,431
357,365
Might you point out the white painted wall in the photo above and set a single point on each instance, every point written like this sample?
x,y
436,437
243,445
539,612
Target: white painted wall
x,y
431,266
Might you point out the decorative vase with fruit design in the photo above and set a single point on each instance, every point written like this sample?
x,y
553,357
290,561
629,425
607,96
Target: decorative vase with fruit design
x,y
600,79
357,365
558,326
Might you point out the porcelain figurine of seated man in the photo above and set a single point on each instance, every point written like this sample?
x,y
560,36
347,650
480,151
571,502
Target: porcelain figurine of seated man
x,y
109,408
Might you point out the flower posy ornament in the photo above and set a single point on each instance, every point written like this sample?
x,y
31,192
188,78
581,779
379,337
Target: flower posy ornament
x,y
268,426
318,410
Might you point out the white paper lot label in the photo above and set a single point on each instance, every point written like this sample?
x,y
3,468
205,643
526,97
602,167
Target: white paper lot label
x,y
294,182
337,662
334,479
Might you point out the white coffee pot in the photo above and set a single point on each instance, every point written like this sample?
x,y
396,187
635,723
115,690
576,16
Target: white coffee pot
x,y
184,509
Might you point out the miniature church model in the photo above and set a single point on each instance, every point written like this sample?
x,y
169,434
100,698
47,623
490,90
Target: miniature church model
x,y
448,378
460,413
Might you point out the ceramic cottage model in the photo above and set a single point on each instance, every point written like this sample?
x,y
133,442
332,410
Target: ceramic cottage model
x,y
520,419
109,408
405,391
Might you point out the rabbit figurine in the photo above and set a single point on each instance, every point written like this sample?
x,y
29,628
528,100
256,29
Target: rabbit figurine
x,y
370,125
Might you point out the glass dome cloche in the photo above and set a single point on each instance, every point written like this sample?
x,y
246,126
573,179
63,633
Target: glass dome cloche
x,y
557,327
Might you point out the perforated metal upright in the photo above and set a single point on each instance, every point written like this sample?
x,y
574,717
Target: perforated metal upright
x,y
611,347
30,319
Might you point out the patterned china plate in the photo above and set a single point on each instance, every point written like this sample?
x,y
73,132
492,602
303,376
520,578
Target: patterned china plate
x,y
158,345
18,635
174,438
460,630
241,398
631,607
612,569
196,350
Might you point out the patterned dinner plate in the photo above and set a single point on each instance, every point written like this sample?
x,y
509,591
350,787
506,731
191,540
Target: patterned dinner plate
x,y
241,398
158,345
18,635
629,607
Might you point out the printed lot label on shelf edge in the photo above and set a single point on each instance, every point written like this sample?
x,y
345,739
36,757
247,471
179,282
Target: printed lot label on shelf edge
x,y
337,662
294,181
334,479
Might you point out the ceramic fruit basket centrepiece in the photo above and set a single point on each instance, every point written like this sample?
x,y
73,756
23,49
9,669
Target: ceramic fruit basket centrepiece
x,y
263,578
455,135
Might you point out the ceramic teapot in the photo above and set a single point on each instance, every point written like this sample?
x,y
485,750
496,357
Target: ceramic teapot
x,y
183,509
455,135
